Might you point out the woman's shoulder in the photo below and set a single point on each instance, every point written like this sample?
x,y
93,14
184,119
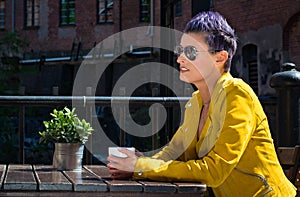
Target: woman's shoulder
x,y
229,85
235,83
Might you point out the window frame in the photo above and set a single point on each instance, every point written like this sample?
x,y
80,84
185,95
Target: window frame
x,y
178,8
145,15
2,22
34,12
107,5
249,54
70,21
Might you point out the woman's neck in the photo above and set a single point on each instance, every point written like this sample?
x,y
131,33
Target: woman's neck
x,y
206,88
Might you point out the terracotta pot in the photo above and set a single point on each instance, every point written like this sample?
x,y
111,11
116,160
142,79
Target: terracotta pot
x,y
68,156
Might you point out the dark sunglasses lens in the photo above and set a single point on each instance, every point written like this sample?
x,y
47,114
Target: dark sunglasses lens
x,y
178,50
190,52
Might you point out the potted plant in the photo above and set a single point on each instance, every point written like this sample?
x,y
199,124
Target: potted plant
x,y
69,134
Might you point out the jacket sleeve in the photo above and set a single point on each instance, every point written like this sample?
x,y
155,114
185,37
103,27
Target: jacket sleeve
x,y
173,150
238,115
180,142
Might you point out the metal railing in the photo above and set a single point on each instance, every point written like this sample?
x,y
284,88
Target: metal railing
x,y
88,103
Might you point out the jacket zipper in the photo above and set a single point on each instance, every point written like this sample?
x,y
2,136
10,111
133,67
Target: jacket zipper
x,y
260,177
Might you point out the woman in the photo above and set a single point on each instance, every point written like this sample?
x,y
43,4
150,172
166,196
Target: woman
x,y
224,141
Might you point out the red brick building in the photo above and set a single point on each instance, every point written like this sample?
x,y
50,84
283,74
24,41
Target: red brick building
x,y
269,35
268,31
44,42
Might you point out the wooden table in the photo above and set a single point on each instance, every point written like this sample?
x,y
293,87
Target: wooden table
x,y
41,180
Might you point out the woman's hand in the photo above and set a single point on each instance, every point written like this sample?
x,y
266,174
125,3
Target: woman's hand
x,y
122,168
119,174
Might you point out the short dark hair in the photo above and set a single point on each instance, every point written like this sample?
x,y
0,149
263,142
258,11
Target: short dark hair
x,y
220,35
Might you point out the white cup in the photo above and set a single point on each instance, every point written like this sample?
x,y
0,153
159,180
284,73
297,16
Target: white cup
x,y
115,152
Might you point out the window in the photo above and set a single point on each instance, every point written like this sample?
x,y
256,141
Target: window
x,y
178,8
2,14
249,53
145,10
253,75
32,13
67,12
105,11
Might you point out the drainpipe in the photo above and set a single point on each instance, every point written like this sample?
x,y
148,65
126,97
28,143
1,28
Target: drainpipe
x,y
13,16
152,14
120,24
120,16
152,17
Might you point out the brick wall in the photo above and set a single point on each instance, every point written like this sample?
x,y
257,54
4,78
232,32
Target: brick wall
x,y
269,25
50,36
253,16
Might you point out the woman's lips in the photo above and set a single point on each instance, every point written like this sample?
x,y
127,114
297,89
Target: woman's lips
x,y
183,69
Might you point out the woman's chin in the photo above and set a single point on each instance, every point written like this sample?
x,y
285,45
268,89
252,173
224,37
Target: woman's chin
x,y
184,79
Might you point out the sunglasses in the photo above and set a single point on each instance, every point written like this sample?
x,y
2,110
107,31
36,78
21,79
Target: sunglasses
x,y
190,51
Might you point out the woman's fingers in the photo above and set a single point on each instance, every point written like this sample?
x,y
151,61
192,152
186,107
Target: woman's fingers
x,y
119,163
119,174
125,175
110,166
126,152
113,171
138,153
123,163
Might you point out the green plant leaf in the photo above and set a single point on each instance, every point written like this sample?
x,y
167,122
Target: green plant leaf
x,y
65,127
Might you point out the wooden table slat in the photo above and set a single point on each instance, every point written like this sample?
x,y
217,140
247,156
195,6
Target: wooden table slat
x,y
93,180
85,181
51,180
2,174
98,170
161,187
20,177
115,185
183,187
124,186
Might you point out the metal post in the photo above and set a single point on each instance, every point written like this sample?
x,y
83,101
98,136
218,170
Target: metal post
x,y
89,118
13,16
21,133
155,118
122,118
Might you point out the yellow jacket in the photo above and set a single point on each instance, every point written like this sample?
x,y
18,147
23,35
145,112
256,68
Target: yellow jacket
x,y
234,155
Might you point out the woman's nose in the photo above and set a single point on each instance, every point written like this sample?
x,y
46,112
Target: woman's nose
x,y
180,59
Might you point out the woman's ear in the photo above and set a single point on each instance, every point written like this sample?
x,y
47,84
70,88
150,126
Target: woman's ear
x,y
221,57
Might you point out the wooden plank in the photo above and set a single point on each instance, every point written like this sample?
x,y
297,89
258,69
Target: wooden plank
x,y
123,186
114,185
286,155
85,181
50,182
99,170
95,194
50,179
183,187
289,158
162,187
20,177
2,174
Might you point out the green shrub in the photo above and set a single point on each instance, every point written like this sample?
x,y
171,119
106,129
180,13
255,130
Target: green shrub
x,y
65,127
